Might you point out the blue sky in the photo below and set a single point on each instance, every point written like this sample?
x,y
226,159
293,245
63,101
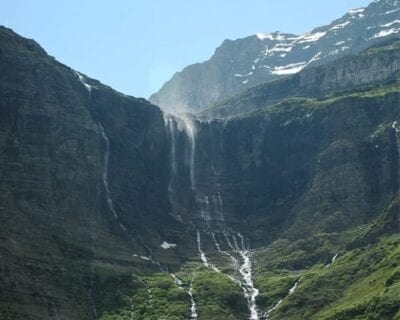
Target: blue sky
x,y
135,46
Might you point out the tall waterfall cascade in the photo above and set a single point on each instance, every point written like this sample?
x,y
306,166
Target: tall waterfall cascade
x,y
208,216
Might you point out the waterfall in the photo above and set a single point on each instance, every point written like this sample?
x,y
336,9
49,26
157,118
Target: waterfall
x,y
187,125
396,128
267,314
179,283
203,257
218,247
220,207
174,126
293,289
210,209
193,308
82,81
204,207
332,260
105,177
250,292
170,125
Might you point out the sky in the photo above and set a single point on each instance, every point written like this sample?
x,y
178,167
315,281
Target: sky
x,y
135,46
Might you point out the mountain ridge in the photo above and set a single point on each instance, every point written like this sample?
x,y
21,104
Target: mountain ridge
x,y
240,64
378,63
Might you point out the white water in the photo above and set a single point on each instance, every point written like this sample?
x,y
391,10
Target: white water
x,y
179,283
171,128
267,314
250,292
218,246
186,124
396,128
193,308
203,257
332,260
82,80
220,207
293,289
228,241
105,177
204,207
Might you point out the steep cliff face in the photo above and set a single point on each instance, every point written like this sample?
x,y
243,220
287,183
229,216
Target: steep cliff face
x,y
303,162
111,209
83,181
238,65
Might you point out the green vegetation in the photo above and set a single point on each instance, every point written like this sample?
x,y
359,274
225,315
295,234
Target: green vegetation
x,y
385,46
299,106
218,297
153,297
362,283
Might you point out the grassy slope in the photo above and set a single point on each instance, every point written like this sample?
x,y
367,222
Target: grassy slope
x,y
362,283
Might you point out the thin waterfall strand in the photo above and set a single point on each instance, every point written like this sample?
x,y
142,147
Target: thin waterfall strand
x,y
105,177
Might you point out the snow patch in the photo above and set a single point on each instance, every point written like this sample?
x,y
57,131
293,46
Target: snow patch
x,y
340,26
385,33
311,37
389,24
142,257
289,69
263,36
356,11
166,245
244,75
391,11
